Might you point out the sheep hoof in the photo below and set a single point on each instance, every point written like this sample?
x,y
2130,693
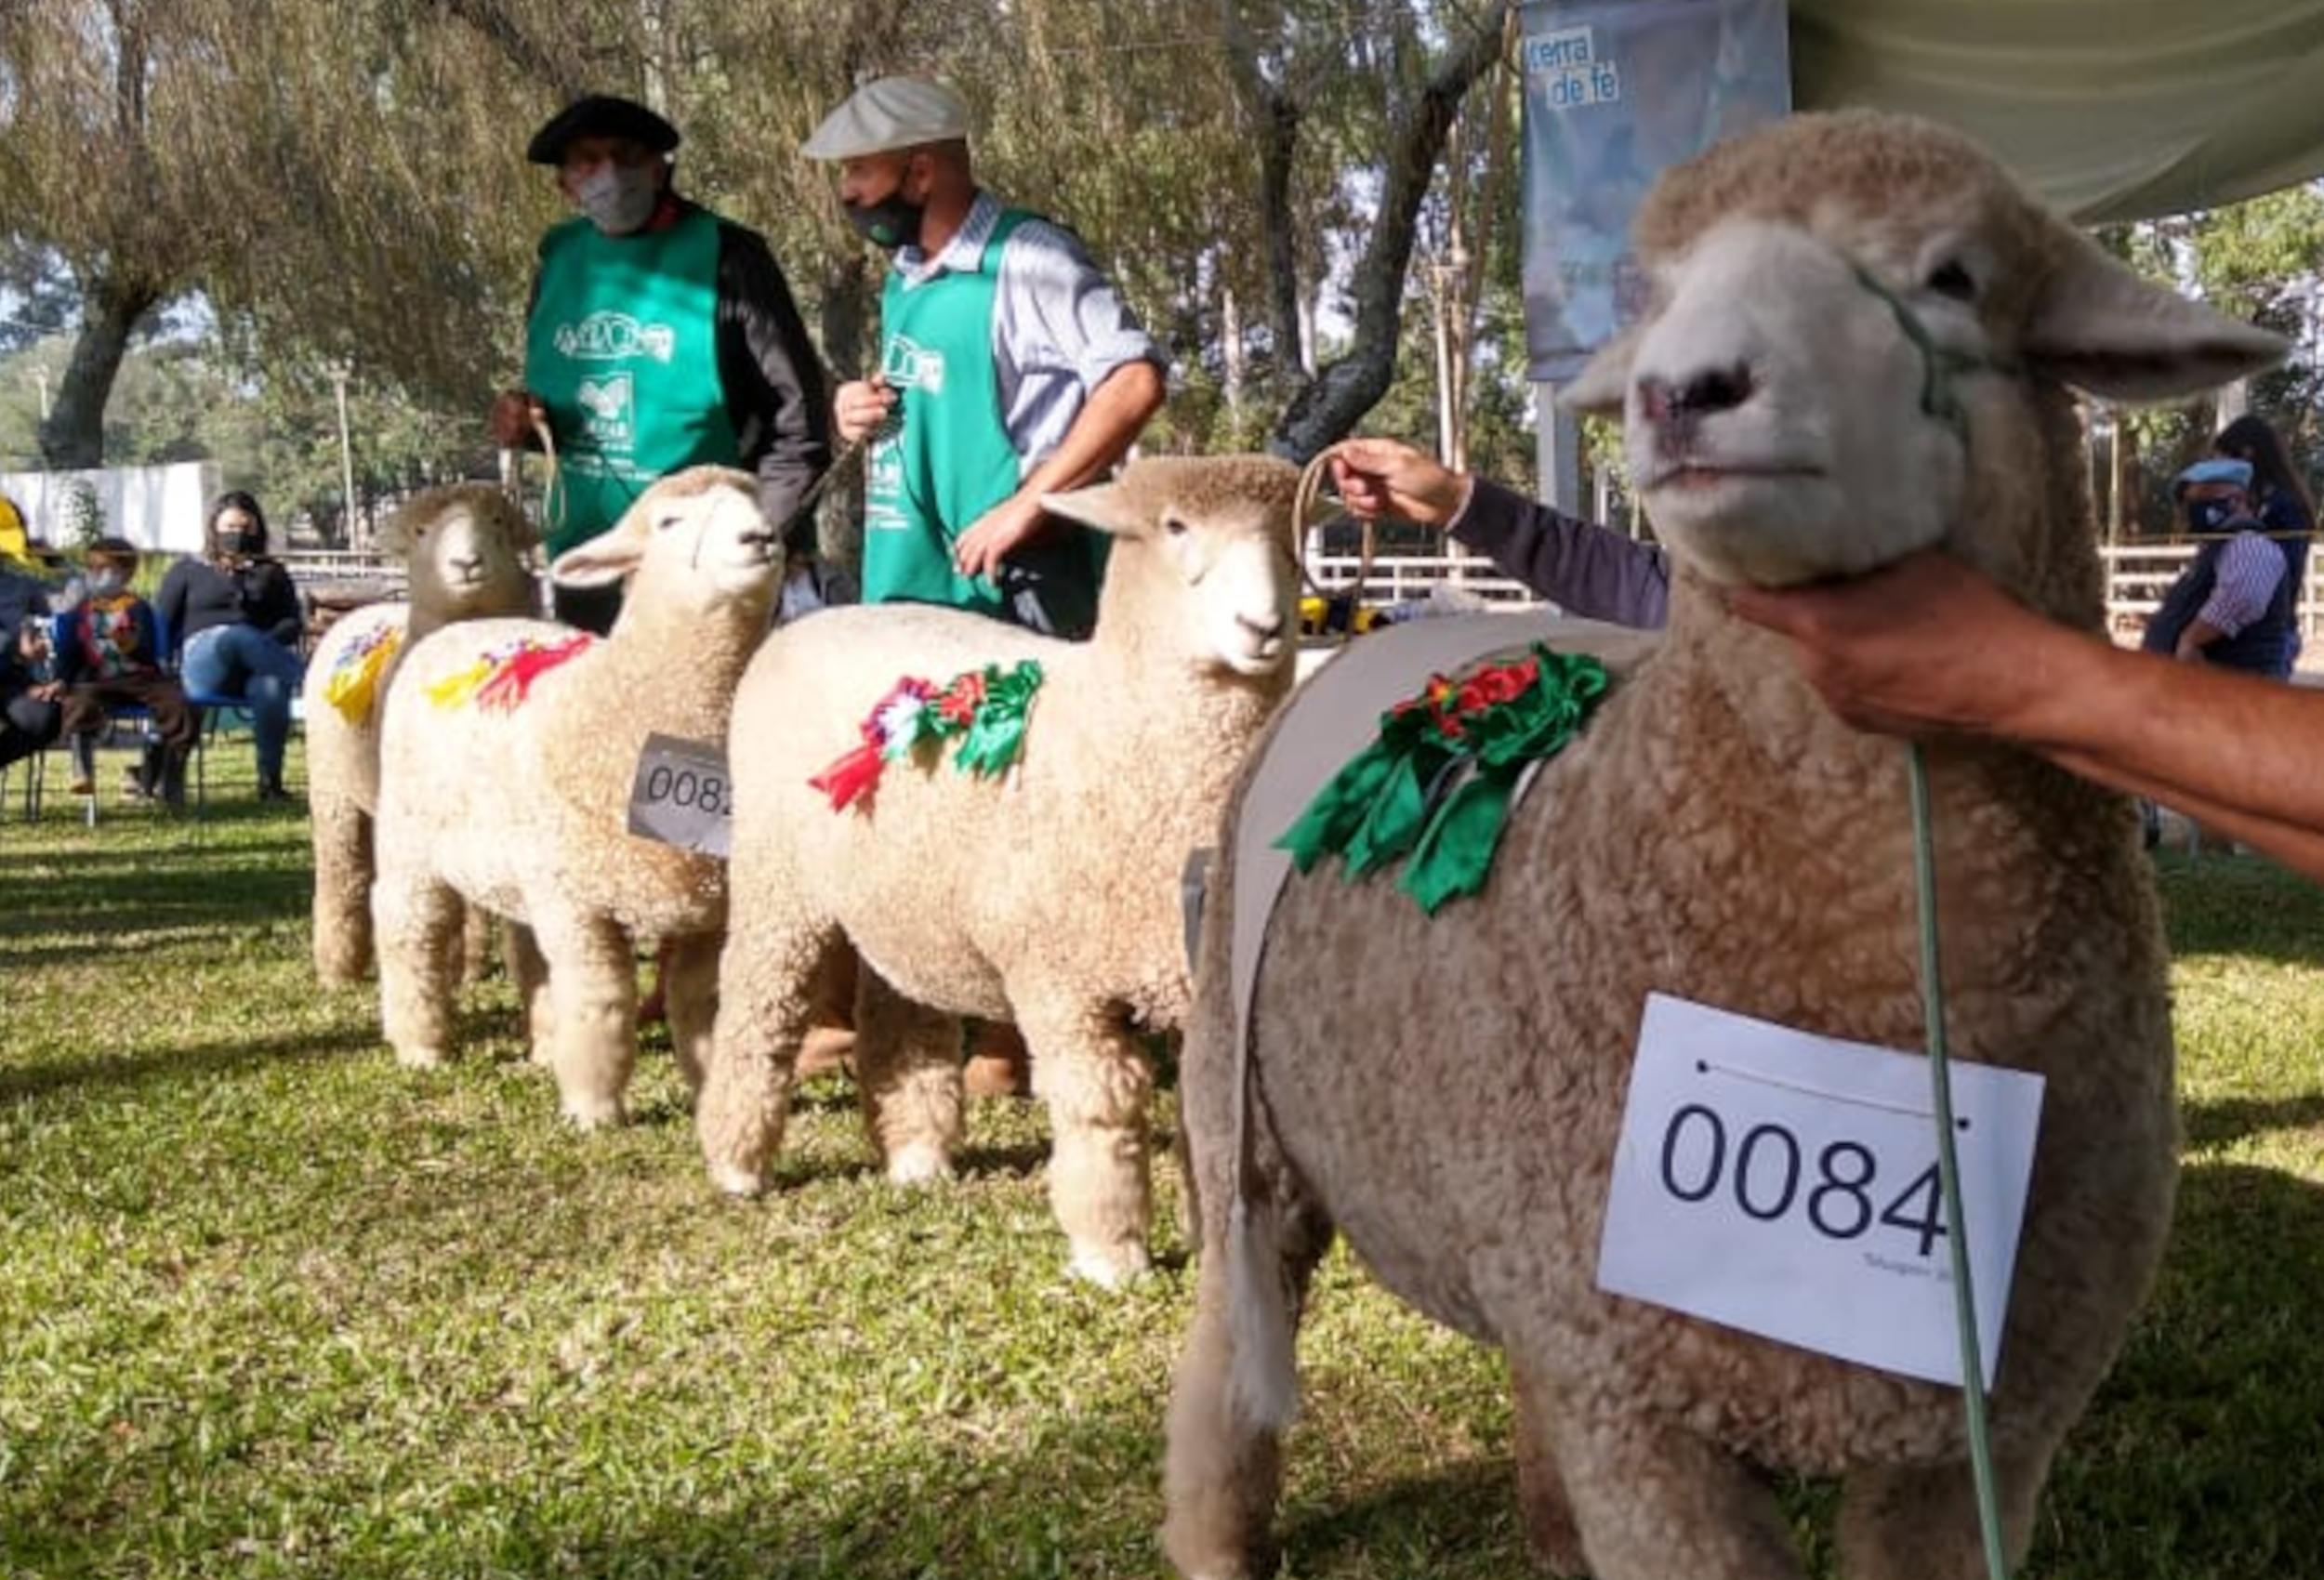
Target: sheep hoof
x,y
734,1180
593,1113
1113,1267
919,1164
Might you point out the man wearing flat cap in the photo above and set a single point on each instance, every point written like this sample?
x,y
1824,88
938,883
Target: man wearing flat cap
x,y
660,336
1008,369
2235,605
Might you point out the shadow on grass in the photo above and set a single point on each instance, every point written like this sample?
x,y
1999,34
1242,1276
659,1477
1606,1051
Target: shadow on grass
x,y
2210,1124
198,1062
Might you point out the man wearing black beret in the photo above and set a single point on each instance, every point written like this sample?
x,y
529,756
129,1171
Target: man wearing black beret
x,y
659,335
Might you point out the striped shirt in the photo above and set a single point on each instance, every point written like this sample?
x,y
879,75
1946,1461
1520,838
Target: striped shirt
x,y
2250,568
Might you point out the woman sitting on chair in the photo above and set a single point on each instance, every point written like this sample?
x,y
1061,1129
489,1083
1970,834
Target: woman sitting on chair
x,y
234,617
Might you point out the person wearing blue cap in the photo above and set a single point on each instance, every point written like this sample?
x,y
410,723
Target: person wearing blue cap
x,y
2236,604
659,335
1008,369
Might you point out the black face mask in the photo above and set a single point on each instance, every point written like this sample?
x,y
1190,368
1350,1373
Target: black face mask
x,y
247,544
2209,515
892,222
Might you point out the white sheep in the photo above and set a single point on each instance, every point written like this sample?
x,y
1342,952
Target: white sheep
x,y
464,547
522,807
1049,895
1860,343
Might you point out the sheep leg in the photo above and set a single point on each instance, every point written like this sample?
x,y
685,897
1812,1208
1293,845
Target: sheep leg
x,y
416,920
1922,1521
1222,1468
908,1059
1652,1499
1093,1077
1542,1500
342,898
528,972
690,988
476,943
593,985
766,974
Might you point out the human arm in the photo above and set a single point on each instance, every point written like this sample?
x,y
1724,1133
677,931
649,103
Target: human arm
x,y
776,390
1077,375
271,603
172,601
1928,647
1585,569
2250,569
1108,424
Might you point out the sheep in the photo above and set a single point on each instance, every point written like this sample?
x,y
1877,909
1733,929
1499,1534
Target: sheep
x,y
1049,895
1859,342
524,808
464,548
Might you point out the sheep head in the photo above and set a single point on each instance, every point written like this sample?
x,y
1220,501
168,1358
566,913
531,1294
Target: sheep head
x,y
1857,344
464,547
694,541
1219,530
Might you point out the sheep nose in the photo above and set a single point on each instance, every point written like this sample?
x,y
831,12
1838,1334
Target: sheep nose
x,y
1266,630
1714,389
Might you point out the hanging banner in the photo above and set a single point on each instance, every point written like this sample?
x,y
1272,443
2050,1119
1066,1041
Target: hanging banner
x,y
1615,91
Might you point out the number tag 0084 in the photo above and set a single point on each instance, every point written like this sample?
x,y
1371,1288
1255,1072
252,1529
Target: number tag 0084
x,y
1785,1184
681,795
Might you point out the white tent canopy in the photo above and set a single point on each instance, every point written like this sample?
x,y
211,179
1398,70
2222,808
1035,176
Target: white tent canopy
x,y
2111,110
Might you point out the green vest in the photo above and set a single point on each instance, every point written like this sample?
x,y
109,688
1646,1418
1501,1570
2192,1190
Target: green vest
x,y
948,457
622,347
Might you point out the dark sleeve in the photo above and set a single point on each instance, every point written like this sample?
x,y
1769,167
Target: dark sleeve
x,y
149,634
170,602
64,646
1583,568
274,606
773,377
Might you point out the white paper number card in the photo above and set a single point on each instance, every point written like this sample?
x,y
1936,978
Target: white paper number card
x,y
1787,1184
681,795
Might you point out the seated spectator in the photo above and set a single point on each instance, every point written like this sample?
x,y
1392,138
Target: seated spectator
x,y
30,716
234,618
2235,603
107,655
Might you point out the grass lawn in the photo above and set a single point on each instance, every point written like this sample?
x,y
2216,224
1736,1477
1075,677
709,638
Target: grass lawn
x,y
270,1306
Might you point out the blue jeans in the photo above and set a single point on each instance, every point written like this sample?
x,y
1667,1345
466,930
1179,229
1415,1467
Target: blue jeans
x,y
242,660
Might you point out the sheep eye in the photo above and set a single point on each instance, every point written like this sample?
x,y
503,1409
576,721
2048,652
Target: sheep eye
x,y
1952,279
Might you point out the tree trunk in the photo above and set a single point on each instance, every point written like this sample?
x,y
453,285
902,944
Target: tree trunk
x,y
1328,407
72,435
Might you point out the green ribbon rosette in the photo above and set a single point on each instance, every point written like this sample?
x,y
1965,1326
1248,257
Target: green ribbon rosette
x,y
1433,788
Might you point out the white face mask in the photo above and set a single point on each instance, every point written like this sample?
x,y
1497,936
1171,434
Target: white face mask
x,y
104,584
617,198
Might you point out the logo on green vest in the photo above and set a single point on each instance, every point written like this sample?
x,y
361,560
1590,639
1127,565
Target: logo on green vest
x,y
910,365
614,337
609,410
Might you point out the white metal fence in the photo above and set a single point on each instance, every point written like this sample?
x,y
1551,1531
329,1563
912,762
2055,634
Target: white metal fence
x,y
2136,576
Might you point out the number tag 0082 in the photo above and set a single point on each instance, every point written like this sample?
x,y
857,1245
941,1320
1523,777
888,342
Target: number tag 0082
x,y
1787,1184
681,795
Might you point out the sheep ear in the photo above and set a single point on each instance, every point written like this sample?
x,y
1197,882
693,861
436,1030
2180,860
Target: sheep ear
x,y
2101,328
1599,388
1101,506
599,562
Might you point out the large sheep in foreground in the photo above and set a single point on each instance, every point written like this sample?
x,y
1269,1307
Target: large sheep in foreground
x,y
463,547
1048,895
1860,347
510,752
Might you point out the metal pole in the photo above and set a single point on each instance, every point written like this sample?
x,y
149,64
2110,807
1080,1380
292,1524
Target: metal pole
x,y
340,372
